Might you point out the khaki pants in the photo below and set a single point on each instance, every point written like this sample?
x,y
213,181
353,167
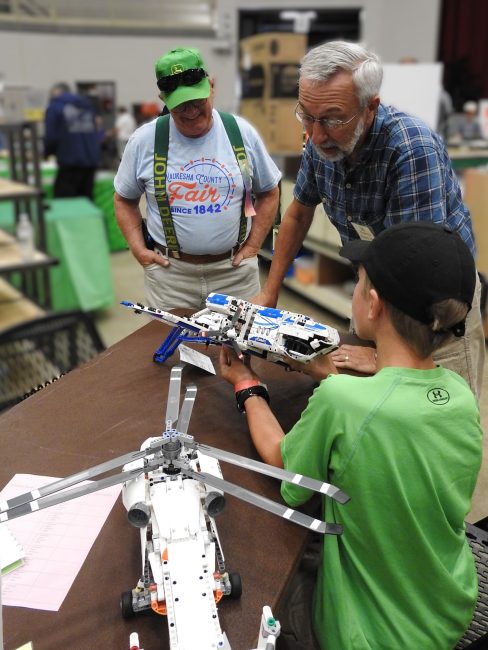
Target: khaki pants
x,y
182,284
466,355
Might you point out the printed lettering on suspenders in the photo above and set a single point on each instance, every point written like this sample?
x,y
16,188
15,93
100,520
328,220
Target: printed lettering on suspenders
x,y
161,147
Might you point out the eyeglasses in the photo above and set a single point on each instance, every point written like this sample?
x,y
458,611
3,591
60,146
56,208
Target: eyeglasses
x,y
187,78
308,120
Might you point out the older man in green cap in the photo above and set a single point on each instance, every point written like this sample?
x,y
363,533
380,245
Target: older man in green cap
x,y
211,192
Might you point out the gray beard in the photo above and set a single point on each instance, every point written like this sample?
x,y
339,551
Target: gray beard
x,y
344,150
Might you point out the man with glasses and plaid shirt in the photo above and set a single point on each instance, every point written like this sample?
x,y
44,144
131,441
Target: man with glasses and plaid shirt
x,y
371,166
211,190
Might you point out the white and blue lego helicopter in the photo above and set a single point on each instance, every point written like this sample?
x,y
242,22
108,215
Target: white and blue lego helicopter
x,y
272,334
173,490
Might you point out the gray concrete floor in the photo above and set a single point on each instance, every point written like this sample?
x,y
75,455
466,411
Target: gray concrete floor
x,y
117,322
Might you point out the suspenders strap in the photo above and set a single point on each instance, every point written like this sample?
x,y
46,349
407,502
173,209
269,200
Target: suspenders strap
x,y
235,137
161,146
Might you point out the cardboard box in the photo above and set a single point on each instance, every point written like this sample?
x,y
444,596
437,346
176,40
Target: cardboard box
x,y
269,65
476,198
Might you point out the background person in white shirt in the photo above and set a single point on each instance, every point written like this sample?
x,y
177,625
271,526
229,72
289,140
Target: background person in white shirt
x,y
125,125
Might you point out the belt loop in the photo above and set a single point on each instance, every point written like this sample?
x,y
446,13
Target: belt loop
x,y
162,251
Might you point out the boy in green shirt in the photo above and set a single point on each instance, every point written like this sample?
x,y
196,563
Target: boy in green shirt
x,y
405,444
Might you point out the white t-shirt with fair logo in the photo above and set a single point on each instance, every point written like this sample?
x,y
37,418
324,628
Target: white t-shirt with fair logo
x,y
204,183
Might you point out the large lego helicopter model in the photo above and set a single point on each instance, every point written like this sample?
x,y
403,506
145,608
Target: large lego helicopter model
x,y
272,334
173,489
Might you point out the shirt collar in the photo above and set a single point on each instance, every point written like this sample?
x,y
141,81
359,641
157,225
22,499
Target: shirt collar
x,y
371,141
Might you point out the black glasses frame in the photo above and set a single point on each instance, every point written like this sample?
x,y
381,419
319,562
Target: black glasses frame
x,y
186,78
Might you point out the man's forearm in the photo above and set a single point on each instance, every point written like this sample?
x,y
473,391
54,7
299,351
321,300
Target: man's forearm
x,y
293,229
266,207
129,219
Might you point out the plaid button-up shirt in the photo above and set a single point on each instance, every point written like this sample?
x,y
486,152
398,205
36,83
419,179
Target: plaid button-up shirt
x,y
403,173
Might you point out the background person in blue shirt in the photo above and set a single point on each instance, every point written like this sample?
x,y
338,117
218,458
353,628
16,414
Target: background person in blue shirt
x,y
371,166
72,136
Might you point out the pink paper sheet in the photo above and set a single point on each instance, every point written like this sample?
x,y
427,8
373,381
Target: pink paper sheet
x,y
56,542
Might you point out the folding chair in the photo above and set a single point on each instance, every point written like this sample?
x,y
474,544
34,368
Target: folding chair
x,y
476,636
40,350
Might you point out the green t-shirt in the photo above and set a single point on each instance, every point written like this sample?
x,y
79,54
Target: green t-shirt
x,y
406,446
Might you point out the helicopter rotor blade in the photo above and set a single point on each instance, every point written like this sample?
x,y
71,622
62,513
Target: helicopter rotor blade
x,y
315,525
72,480
186,408
173,403
276,472
67,495
159,314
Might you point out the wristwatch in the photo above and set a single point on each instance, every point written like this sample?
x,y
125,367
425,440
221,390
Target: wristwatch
x,y
241,396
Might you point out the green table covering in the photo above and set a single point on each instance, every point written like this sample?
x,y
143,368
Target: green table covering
x,y
103,197
75,232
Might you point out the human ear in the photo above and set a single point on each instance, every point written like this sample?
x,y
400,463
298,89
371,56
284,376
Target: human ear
x,y
373,103
375,305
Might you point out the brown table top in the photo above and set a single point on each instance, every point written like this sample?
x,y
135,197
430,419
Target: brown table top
x,y
107,408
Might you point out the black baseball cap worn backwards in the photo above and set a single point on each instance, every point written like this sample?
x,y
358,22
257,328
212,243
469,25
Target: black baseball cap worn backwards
x,y
415,265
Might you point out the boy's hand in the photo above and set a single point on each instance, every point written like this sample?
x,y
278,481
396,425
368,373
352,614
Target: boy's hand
x,y
233,369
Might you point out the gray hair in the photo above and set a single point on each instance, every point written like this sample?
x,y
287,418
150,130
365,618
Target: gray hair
x,y
326,60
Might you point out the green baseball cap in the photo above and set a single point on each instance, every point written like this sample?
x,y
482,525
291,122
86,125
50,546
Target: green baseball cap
x,y
182,77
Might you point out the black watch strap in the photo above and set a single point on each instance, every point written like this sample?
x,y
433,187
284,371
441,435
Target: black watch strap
x,y
242,395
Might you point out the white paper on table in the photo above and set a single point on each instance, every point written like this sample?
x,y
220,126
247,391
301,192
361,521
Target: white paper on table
x,y
56,542
11,552
189,355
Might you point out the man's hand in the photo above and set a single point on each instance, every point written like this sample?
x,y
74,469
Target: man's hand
x,y
146,257
243,253
265,298
355,357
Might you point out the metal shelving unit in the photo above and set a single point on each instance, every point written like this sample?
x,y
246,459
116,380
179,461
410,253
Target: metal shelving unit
x,y
23,190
